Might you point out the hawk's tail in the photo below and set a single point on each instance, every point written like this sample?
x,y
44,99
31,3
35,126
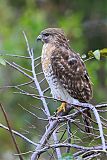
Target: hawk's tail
x,y
87,121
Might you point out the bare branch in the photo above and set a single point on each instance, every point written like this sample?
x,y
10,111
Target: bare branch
x,y
84,149
19,85
101,105
17,68
14,55
40,118
37,58
17,65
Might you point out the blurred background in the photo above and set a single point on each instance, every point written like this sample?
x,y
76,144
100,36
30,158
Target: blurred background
x,y
85,24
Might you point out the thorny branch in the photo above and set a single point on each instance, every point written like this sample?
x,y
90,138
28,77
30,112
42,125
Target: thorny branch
x,y
54,127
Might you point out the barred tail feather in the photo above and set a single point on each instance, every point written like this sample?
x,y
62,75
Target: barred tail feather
x,y
87,121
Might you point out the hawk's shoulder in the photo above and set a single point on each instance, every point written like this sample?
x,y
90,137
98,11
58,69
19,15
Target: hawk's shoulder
x,y
71,72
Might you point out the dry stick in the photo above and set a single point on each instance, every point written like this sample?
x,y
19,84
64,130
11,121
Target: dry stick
x,y
25,69
101,105
87,154
17,68
37,58
34,115
78,153
12,55
42,98
19,85
92,156
10,130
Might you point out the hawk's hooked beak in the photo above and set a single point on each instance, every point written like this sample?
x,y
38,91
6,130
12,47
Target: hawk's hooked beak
x,y
39,38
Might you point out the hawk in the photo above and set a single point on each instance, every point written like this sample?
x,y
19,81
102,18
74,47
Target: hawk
x,y
64,70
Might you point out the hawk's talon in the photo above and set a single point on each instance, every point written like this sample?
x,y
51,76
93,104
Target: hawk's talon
x,y
62,108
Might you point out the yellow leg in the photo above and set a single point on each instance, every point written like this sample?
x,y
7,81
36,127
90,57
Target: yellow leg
x,y
62,108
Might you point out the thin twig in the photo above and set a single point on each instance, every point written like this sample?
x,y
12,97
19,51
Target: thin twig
x,y
40,118
16,56
101,105
17,65
19,85
17,68
37,64
42,80
37,58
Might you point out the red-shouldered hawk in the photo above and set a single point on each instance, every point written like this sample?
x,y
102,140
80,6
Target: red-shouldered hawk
x,y
64,69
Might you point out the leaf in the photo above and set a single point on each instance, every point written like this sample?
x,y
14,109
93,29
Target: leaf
x,y
90,53
96,54
103,52
2,61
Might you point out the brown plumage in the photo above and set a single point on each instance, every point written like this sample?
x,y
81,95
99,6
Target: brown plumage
x,y
64,69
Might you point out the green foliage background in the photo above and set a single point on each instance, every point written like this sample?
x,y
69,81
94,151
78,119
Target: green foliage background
x,y
85,24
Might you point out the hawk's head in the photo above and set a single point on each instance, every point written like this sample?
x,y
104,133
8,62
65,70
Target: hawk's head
x,y
52,35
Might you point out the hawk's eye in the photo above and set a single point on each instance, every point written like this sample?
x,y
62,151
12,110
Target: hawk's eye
x,y
46,34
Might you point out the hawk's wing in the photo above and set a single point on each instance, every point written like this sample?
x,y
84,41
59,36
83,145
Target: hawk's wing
x,y
71,73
